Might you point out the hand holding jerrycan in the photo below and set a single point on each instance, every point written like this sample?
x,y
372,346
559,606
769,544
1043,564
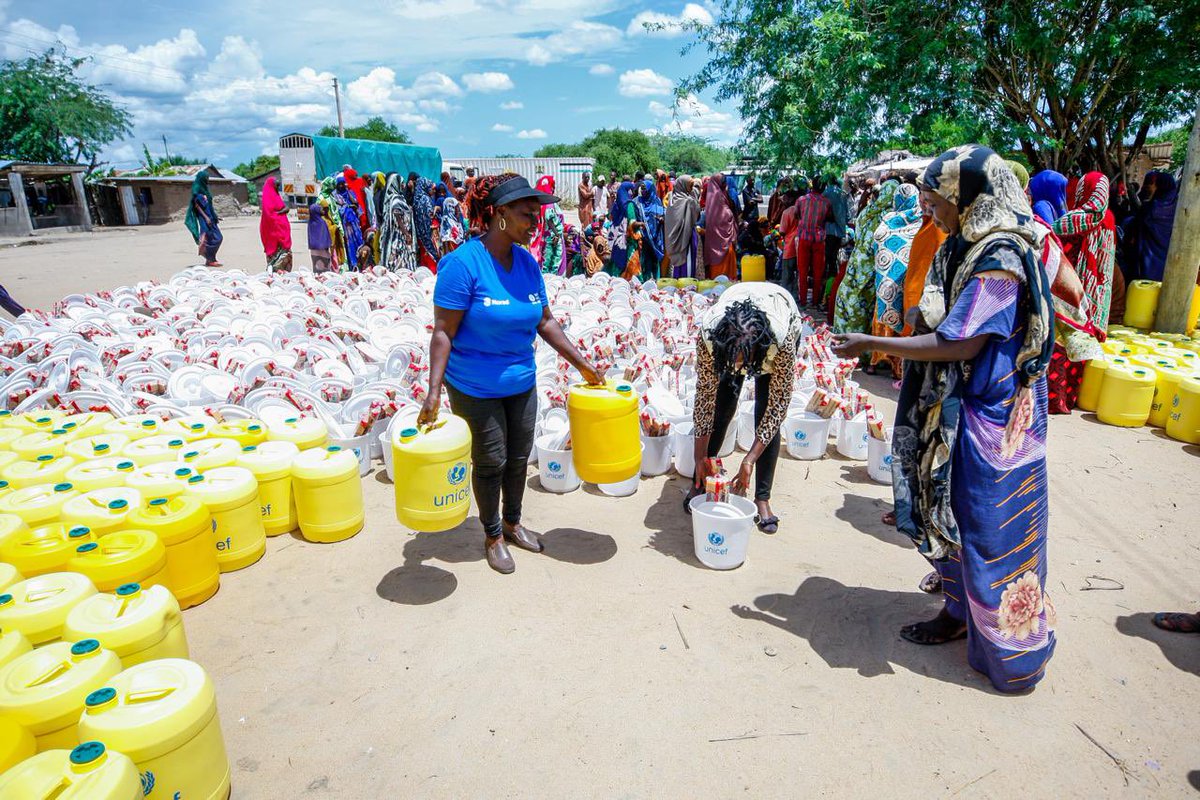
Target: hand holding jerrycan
x,y
605,432
431,468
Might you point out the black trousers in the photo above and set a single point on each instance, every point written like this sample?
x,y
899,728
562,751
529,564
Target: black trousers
x,y
501,440
728,391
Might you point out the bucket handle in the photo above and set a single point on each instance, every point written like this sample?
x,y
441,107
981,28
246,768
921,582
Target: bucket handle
x,y
430,427
149,695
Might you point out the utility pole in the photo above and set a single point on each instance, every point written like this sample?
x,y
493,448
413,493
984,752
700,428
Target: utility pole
x,y
1183,254
337,98
166,152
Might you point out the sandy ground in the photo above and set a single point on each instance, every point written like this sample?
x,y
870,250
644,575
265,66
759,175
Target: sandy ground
x,y
615,666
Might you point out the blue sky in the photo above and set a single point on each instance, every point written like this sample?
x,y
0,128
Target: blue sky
x,y
472,77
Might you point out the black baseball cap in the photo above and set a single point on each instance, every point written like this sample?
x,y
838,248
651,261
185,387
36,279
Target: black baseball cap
x,y
515,189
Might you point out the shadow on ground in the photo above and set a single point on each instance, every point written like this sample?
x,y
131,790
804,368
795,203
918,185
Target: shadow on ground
x,y
865,514
857,627
670,528
416,583
1179,648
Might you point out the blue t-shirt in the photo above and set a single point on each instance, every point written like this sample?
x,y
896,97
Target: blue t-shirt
x,y
492,353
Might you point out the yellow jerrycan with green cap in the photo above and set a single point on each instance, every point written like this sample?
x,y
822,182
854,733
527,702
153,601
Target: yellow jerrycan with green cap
x,y
231,494
90,771
1141,303
1166,384
44,690
1126,396
431,469
138,624
302,431
156,449
605,432
245,432
30,421
163,715
52,442
1183,421
1089,388
130,556
137,426
271,465
46,468
87,423
205,454
754,268
37,505
38,606
44,548
99,445
329,495
184,525
192,429
163,479
100,473
104,511
16,745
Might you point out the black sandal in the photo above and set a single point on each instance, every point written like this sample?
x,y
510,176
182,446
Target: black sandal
x,y
931,583
938,630
767,524
1177,622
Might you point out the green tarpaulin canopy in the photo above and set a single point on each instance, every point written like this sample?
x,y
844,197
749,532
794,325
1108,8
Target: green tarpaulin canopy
x,y
333,153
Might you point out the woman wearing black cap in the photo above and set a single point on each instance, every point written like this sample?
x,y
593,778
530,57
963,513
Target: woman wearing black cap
x,y
489,304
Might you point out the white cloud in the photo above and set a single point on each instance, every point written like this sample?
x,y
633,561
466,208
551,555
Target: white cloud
x,y
502,128
237,59
434,106
578,37
512,105
690,115
487,82
536,133
601,69
665,25
644,83
436,84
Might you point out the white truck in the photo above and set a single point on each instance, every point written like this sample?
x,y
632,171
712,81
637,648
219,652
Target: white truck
x,y
566,171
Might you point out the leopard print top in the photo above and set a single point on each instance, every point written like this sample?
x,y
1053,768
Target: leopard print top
x,y
783,380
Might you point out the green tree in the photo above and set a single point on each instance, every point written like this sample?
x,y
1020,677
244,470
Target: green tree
x,y
626,152
257,166
48,114
559,151
1074,84
684,154
376,129
167,165
1179,137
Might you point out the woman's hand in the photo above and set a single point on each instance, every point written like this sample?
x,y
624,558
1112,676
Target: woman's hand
x,y
850,345
590,375
702,471
430,408
741,481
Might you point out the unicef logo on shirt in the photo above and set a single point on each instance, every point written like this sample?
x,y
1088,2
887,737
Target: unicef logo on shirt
x,y
554,466
716,539
535,299
457,474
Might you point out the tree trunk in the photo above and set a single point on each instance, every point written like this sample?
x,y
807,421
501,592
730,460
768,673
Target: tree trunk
x,y
1183,255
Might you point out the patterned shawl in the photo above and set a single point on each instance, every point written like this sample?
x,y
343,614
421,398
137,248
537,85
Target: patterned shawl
x,y
396,243
423,215
1092,224
893,248
996,231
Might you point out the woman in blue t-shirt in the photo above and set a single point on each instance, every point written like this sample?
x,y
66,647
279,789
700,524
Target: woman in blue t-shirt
x,y
489,305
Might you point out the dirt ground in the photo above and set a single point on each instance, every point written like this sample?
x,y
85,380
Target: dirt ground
x,y
616,666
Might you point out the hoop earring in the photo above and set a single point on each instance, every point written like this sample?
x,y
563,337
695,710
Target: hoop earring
x,y
503,224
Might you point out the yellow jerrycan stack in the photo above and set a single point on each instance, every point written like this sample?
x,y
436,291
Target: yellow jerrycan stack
x,y
163,715
89,772
754,268
605,433
45,548
16,745
38,607
192,429
100,445
432,474
13,643
137,426
184,526
104,511
1166,384
89,423
44,690
329,496
100,473
31,445
135,623
164,479
1183,423
271,465
8,458
44,469
1141,303
1126,396
156,449
1089,387
205,454
10,525
37,505
246,432
7,437
304,432
231,494
129,556
8,573
35,421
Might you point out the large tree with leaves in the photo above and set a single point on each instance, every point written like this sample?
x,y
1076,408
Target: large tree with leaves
x,y
49,114
376,129
626,152
1074,84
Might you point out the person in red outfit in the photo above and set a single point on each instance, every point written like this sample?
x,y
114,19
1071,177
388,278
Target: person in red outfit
x,y
813,211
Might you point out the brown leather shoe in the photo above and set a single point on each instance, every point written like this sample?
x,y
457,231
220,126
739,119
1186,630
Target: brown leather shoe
x,y
520,536
498,557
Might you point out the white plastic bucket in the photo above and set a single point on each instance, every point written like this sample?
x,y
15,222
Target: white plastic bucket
x,y
879,458
806,435
683,445
745,426
626,487
852,439
721,531
656,455
556,468
360,446
730,440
